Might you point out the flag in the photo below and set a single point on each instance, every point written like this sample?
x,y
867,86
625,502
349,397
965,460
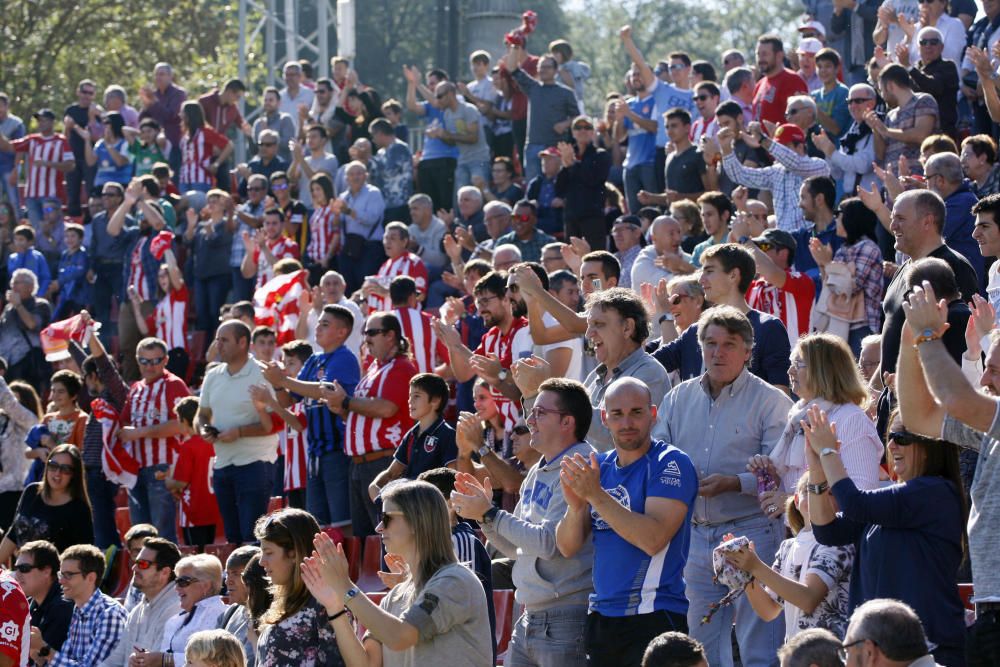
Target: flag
x,y
55,337
160,243
117,463
276,303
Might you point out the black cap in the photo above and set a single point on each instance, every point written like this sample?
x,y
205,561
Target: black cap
x,y
629,220
776,237
45,113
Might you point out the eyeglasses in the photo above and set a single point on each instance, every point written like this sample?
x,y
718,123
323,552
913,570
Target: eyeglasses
x,y
538,412
144,564
702,98
371,333
792,112
676,299
143,361
279,186
842,651
67,575
25,568
677,66
185,581
64,468
256,188
268,143
482,301
859,100
930,42
521,430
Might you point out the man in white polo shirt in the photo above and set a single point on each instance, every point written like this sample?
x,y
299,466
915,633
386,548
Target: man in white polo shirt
x,y
246,442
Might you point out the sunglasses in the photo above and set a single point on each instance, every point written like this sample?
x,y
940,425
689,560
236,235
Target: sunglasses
x,y
701,98
387,518
88,92
25,568
441,96
280,186
930,42
905,438
791,112
144,564
765,246
48,209
64,468
268,143
677,66
371,333
523,217
676,299
521,430
185,581
149,362
585,128
256,189
859,100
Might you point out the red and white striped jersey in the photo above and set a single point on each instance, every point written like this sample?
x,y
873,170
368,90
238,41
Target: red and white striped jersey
x,y
136,272
703,128
500,345
324,234
197,154
293,448
44,181
171,318
151,404
406,264
428,351
281,248
389,381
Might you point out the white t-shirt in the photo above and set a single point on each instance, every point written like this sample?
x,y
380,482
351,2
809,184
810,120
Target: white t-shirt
x,y
353,342
524,346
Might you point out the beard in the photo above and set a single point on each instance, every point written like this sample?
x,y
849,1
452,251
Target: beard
x,y
518,308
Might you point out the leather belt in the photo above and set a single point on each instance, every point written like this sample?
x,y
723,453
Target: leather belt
x,y
372,456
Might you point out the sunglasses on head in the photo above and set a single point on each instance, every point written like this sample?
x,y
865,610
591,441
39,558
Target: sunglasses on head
x,y
65,468
185,581
149,362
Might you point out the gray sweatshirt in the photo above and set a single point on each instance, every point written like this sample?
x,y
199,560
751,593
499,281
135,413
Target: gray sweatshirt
x,y
543,577
548,104
144,627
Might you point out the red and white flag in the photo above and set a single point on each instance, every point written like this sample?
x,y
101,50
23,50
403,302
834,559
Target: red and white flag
x,y
276,303
119,466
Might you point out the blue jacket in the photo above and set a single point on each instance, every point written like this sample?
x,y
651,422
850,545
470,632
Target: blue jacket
x,y
958,225
34,261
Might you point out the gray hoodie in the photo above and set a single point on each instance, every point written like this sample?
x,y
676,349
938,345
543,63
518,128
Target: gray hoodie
x,y
544,577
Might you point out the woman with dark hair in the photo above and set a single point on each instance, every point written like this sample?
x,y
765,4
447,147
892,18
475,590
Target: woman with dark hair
x,y
20,410
111,154
202,150
909,537
324,229
296,629
259,599
437,613
56,509
856,225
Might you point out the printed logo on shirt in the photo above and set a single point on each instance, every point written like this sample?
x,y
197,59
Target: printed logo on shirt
x,y
430,603
540,494
9,632
8,587
394,434
620,494
430,443
671,475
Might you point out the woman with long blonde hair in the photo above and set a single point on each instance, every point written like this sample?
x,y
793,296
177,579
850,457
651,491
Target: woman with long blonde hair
x,y
438,612
823,372
296,629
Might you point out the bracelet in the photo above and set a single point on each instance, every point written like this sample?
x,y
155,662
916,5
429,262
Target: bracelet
x,y
338,614
928,335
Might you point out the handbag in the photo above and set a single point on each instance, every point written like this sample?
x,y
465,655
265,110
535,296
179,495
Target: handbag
x,y
839,306
354,244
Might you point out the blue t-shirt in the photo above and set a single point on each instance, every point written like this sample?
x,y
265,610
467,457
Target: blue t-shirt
x,y
668,96
107,170
834,104
627,581
435,148
325,430
641,144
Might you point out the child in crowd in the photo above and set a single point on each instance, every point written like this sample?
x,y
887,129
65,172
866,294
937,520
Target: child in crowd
x,y
26,257
291,441
149,147
63,424
214,648
71,284
188,480
264,343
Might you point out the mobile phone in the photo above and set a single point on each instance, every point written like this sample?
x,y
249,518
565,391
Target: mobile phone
x,y
211,430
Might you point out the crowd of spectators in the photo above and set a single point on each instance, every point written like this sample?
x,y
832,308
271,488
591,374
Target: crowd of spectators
x,y
707,376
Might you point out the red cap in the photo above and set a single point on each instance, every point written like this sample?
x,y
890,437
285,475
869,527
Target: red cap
x,y
551,151
789,134
158,246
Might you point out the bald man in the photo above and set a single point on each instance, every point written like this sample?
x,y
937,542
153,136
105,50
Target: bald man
x,y
636,502
658,260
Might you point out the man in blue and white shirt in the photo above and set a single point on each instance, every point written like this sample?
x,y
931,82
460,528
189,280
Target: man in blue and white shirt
x,y
636,501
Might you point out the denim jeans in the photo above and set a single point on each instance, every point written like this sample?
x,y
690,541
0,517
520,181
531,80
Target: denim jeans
x,y
639,177
243,493
34,208
106,288
242,287
551,638
10,191
327,489
102,502
364,514
757,639
532,161
465,171
209,295
855,337
150,502
355,269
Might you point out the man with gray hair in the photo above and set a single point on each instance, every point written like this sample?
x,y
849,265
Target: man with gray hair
x,y
360,209
505,256
733,58
933,74
426,235
162,103
886,632
295,96
722,418
815,647
801,111
115,99
944,175
360,151
250,215
739,82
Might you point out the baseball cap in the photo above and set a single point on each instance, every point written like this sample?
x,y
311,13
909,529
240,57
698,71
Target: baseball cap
x,y
789,134
629,220
776,237
582,121
810,45
813,25
45,113
930,32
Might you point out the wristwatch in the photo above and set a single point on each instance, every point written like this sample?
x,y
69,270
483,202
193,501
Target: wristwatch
x,y
502,375
44,651
490,515
351,594
666,317
484,450
826,451
817,489
346,404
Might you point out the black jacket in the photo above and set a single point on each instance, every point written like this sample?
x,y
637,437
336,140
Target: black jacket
x,y
581,185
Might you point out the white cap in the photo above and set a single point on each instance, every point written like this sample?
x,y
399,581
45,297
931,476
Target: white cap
x,y
813,25
930,32
810,45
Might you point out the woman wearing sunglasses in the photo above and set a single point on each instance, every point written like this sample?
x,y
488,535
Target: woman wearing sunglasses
x,y
909,537
199,581
437,613
56,509
296,629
